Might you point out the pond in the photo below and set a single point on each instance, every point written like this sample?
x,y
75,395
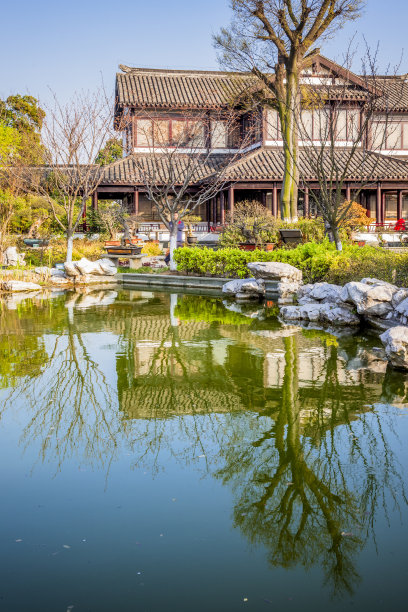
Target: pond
x,y
174,452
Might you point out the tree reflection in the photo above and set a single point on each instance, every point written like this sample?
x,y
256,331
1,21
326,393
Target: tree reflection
x,y
297,494
309,460
69,397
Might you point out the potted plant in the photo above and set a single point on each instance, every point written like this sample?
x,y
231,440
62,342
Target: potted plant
x,y
189,220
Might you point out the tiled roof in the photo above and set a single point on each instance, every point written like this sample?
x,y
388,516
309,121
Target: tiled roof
x,y
395,93
260,165
145,88
131,169
268,164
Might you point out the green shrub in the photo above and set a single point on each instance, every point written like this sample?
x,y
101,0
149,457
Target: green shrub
x,y
318,262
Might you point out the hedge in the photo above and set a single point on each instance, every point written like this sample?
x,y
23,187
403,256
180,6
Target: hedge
x,y
318,262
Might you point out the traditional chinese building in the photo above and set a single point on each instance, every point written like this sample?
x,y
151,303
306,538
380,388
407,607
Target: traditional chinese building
x,y
153,107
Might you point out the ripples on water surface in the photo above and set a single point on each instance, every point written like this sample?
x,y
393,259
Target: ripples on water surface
x,y
165,453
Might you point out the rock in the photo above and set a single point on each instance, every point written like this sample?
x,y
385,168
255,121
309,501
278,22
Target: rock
x,y
399,296
71,269
304,291
376,281
254,287
87,267
306,300
369,299
287,289
325,292
325,313
43,271
56,281
395,341
15,285
244,285
107,266
89,279
57,272
275,270
12,258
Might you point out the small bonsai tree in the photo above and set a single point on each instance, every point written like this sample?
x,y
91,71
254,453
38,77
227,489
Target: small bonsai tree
x,y
252,224
189,220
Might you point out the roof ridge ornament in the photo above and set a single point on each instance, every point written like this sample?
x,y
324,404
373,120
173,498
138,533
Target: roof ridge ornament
x,y
124,68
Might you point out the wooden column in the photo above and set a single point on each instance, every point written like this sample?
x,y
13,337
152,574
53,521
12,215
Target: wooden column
x,y
399,204
383,208
275,200
378,204
136,202
222,208
231,202
348,192
263,198
214,210
306,203
94,201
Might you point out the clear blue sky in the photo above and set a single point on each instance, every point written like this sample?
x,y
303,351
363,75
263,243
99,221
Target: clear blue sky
x,y
67,46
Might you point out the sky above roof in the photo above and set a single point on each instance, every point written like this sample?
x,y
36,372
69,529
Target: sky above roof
x,y
72,46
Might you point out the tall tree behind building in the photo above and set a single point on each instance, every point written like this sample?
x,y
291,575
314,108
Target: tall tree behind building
x,y
275,39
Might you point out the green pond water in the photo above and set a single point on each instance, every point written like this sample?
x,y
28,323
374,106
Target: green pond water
x,y
165,452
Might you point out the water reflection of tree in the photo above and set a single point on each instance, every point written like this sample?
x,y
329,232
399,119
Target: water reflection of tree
x,y
297,495
300,484
69,398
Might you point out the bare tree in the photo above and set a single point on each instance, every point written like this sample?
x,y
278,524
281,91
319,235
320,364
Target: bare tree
x,y
73,134
184,172
275,39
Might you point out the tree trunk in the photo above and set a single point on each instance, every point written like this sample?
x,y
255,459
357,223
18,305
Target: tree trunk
x,y
70,246
173,245
289,112
336,238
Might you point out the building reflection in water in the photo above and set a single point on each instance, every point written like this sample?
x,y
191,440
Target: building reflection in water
x,y
288,418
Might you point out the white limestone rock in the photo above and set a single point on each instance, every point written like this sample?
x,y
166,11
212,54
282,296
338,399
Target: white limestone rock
x,y
275,270
86,267
369,299
12,258
304,290
395,341
324,313
107,266
399,296
89,279
287,289
43,271
325,292
244,285
16,285
71,269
